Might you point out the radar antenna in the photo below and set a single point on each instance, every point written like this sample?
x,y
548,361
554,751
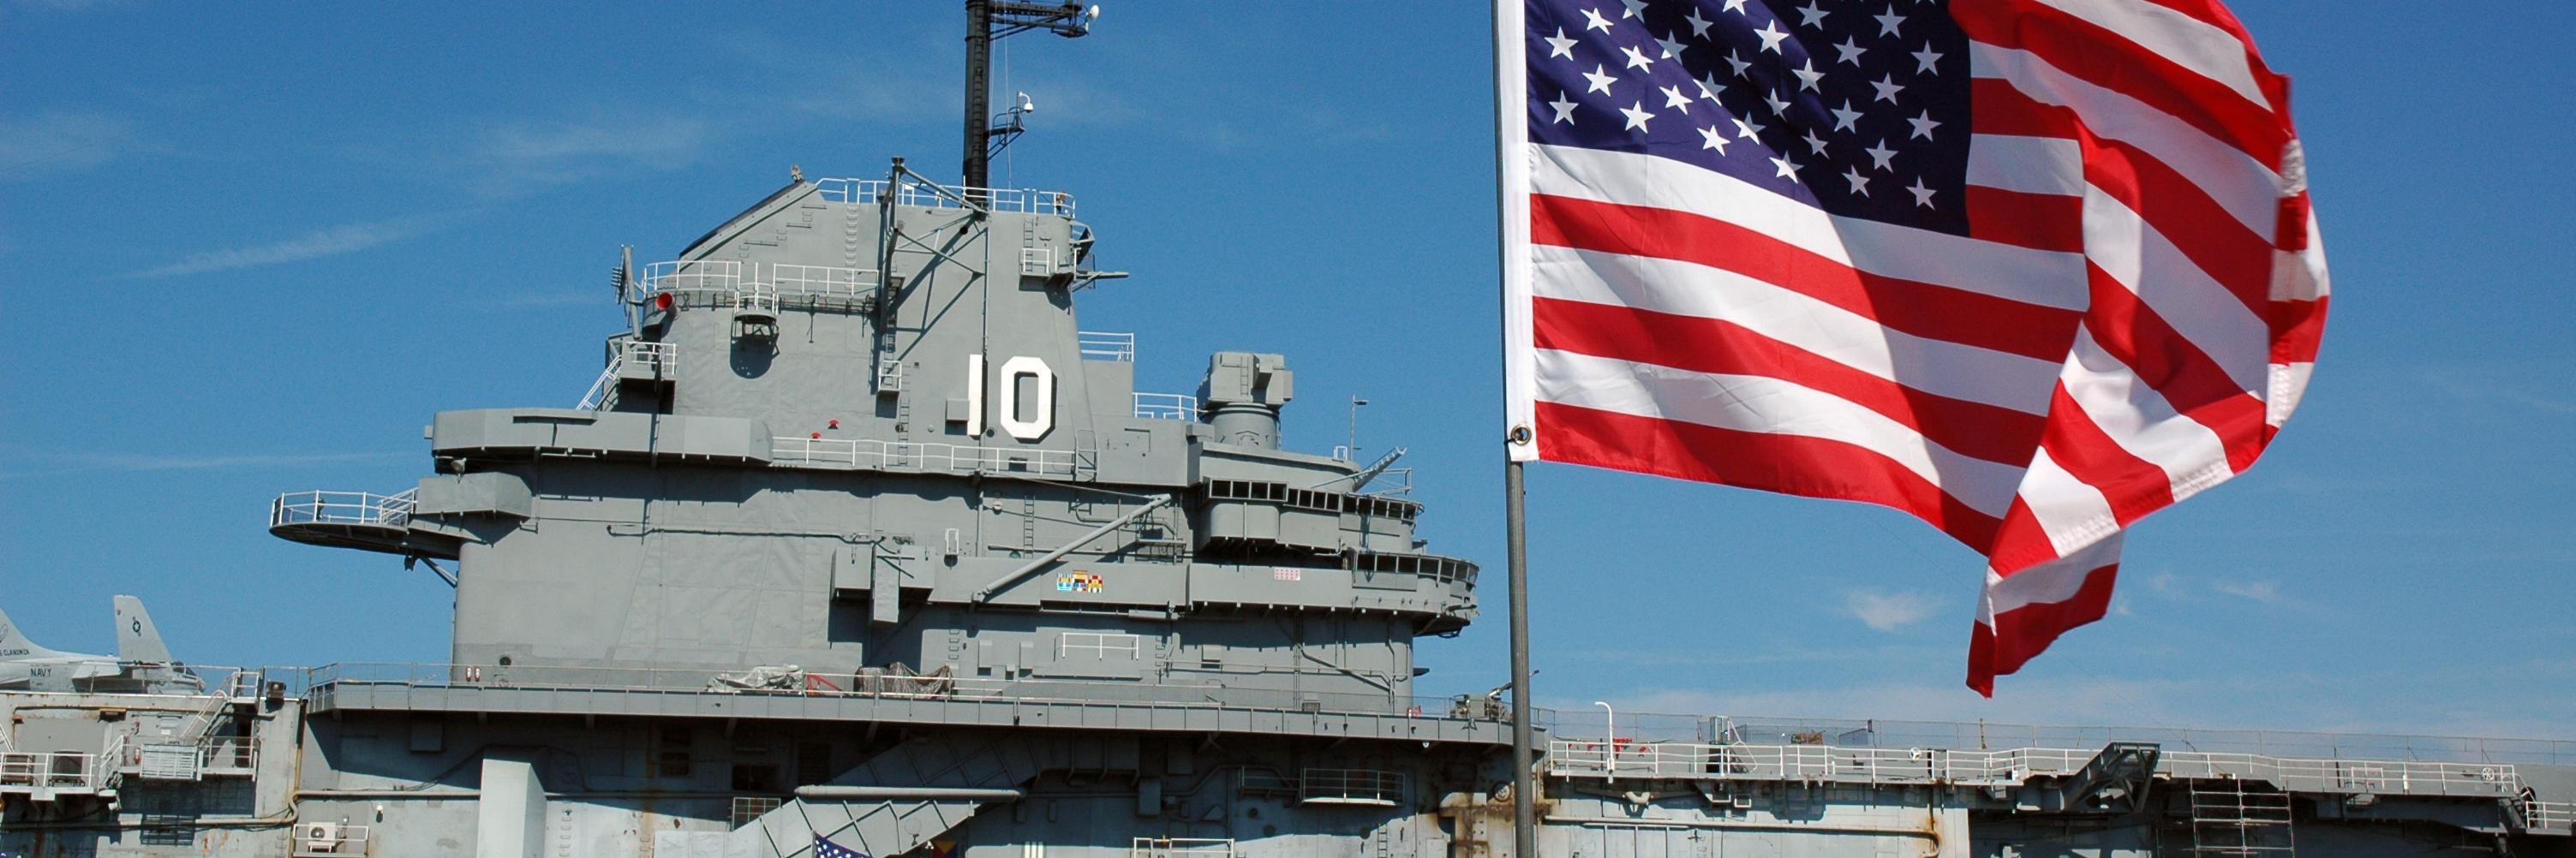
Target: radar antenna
x,y
987,20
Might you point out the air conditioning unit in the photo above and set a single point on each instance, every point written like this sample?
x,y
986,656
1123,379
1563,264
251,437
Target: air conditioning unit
x,y
323,838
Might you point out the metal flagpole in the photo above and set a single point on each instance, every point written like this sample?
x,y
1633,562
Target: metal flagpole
x,y
1507,99
1524,800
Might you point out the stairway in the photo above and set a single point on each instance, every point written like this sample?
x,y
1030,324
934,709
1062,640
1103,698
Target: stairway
x,y
893,824
2232,817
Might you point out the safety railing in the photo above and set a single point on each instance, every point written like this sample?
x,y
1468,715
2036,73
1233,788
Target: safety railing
x,y
718,280
329,682
1166,406
755,301
47,770
343,508
1615,759
2553,817
822,280
228,754
912,457
2392,777
1350,786
1106,345
691,275
1024,200
602,392
659,358
1181,847
1968,735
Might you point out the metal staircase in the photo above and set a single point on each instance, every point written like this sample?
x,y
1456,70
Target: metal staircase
x,y
2234,817
897,800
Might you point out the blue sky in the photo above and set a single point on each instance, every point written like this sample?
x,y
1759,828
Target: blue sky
x,y
250,249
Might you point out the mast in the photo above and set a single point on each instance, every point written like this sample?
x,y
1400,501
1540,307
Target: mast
x,y
987,20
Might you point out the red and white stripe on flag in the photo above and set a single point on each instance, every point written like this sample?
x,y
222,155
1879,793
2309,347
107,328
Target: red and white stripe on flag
x,y
2127,317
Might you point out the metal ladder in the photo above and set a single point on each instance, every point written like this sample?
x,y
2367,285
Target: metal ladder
x,y
2232,817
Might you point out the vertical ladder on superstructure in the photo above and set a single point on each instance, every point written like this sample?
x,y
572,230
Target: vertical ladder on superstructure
x,y
2232,817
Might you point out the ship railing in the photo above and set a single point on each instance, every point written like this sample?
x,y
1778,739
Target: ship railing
x,y
602,392
228,754
323,682
822,281
663,357
2555,817
1980,735
48,770
343,508
1106,345
1181,847
914,457
718,280
1350,786
1017,200
1618,758
2394,777
1166,406
691,275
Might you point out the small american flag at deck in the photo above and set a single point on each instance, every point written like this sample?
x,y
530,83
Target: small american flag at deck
x,y
2026,269
824,848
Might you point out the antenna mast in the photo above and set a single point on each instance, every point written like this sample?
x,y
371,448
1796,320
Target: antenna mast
x,y
987,20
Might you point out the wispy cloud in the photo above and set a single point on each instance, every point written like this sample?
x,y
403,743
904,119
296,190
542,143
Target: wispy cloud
x,y
2495,387
63,141
331,241
2267,592
520,154
541,300
1888,612
669,141
76,463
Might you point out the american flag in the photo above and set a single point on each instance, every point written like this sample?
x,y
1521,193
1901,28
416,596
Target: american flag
x,y
2025,269
824,848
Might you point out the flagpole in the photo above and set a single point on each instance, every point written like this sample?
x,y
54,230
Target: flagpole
x,y
1524,798
1512,234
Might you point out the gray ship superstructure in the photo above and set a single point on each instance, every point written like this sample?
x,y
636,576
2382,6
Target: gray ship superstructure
x,y
859,536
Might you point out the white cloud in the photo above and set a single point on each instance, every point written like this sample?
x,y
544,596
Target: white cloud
x,y
670,142
332,241
62,141
516,156
1888,612
2497,386
74,463
2267,592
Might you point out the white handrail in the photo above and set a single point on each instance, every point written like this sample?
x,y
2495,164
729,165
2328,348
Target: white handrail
x,y
1166,406
1816,763
355,508
1106,345
913,457
1022,200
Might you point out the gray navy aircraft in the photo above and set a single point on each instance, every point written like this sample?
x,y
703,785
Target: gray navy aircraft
x,y
861,544
142,662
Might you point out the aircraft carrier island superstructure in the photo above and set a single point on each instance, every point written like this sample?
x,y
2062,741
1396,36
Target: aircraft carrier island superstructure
x,y
859,538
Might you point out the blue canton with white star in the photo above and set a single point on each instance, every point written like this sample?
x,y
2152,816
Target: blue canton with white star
x,y
1858,107
828,849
